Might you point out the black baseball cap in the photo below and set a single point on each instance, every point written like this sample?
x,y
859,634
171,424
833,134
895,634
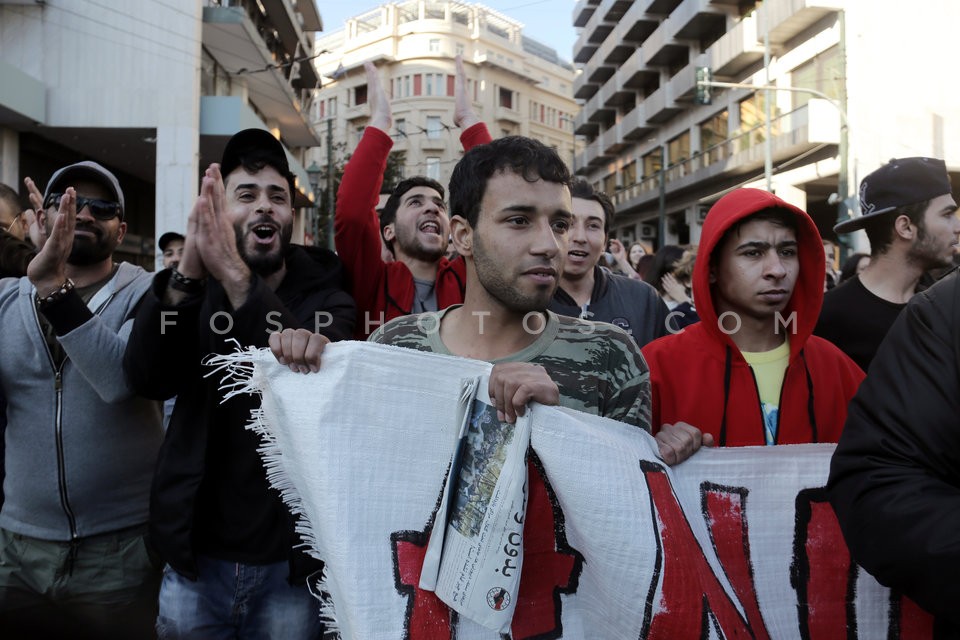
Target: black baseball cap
x,y
899,183
167,238
261,143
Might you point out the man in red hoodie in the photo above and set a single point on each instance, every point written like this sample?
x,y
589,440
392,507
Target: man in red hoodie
x,y
415,216
751,373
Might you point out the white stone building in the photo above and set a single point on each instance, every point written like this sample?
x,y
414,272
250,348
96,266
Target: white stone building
x,y
152,90
518,85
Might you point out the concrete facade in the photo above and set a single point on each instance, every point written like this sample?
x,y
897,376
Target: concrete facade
x,y
152,91
518,85
881,64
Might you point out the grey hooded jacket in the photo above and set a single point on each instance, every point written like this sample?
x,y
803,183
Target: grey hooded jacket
x,y
80,446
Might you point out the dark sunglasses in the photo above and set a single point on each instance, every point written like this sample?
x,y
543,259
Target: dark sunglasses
x,y
99,209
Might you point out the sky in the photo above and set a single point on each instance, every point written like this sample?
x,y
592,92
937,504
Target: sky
x,y
548,21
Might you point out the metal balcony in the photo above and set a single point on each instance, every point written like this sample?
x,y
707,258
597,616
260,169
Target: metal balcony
x,y
240,45
506,114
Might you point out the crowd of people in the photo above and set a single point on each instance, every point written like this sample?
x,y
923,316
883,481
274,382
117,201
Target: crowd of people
x,y
135,500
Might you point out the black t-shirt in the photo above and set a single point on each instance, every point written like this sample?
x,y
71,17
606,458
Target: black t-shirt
x,y
856,320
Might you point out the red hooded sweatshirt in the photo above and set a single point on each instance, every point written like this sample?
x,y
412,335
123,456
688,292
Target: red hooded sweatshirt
x,y
699,376
384,290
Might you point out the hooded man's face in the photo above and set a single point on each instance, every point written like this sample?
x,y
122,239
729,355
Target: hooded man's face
x,y
755,270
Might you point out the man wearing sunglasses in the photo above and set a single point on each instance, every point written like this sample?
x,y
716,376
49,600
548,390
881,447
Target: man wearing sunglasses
x,y
80,445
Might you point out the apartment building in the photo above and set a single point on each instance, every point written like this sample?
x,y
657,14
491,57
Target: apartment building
x,y
152,90
518,86
880,92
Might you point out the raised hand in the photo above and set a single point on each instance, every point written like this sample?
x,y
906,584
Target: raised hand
x,y
215,240
381,114
32,217
673,288
463,114
48,269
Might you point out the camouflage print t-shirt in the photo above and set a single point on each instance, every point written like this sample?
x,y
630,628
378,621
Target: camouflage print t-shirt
x,y
596,365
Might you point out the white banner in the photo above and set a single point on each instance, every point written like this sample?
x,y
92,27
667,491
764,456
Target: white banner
x,y
734,543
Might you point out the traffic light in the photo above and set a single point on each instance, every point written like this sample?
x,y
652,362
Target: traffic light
x,y
704,74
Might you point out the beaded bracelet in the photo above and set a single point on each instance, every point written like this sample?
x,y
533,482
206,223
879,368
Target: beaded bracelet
x,y
184,284
56,294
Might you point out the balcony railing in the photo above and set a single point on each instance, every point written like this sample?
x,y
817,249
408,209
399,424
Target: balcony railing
x,y
782,125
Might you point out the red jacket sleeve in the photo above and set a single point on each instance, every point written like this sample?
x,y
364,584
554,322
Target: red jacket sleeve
x,y
476,135
356,225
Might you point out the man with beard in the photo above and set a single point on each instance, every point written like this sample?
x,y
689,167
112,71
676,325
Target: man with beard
x,y
80,445
414,222
909,216
225,534
512,211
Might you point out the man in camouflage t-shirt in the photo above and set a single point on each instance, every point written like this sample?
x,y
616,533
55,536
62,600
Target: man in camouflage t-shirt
x,y
596,366
512,209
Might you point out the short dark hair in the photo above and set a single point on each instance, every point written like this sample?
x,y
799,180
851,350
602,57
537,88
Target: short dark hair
x,y
880,229
388,215
580,188
253,149
11,197
523,156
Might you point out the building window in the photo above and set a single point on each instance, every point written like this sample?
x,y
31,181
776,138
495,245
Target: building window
x,y
629,173
434,45
506,98
460,49
332,107
434,127
433,10
359,134
433,168
610,185
360,95
713,134
652,163
434,84
401,124
752,120
824,73
678,149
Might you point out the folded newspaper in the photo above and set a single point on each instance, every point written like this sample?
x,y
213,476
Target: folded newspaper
x,y
475,554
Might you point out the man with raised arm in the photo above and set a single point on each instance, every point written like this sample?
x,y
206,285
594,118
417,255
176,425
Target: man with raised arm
x,y
414,221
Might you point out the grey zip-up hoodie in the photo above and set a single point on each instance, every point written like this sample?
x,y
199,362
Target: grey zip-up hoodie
x,y
80,446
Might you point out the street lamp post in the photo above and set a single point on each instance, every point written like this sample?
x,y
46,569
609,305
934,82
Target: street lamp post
x,y
313,171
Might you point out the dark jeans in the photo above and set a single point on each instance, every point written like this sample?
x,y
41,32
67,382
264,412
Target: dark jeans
x,y
236,601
